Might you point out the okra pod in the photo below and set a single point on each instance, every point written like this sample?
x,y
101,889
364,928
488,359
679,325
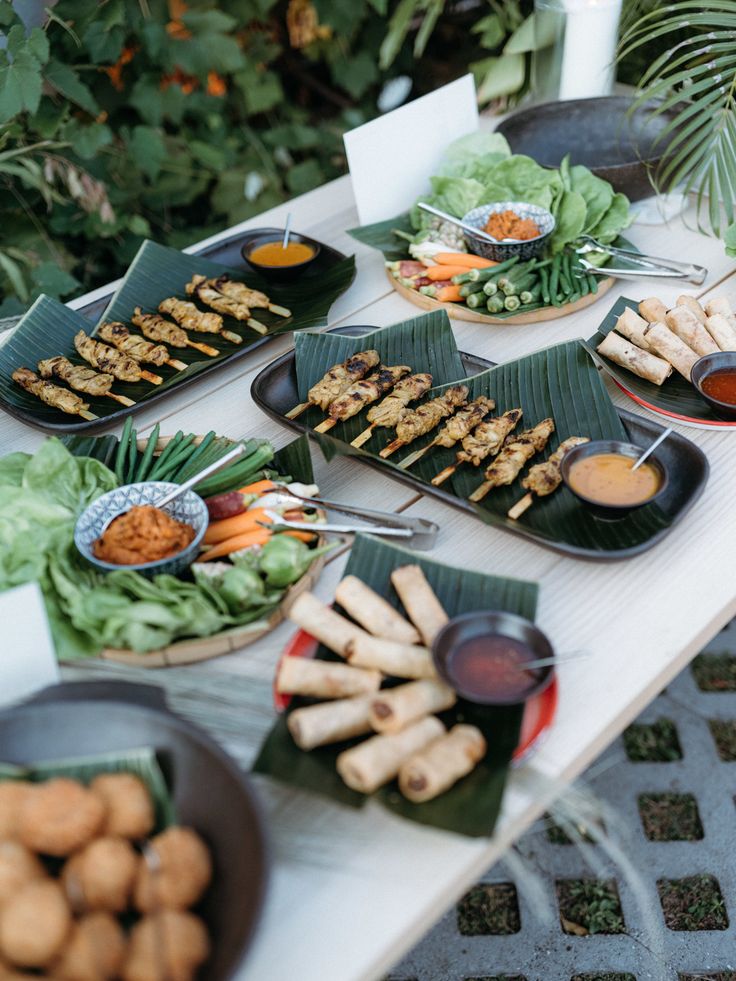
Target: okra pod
x,y
490,287
467,289
554,277
495,303
481,275
544,278
476,300
512,303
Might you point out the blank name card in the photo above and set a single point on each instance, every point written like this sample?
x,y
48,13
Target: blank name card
x,y
392,158
27,659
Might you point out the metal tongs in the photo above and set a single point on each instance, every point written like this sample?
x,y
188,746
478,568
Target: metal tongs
x,y
417,532
643,265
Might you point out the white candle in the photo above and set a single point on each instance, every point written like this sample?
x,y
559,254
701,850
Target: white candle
x,y
591,32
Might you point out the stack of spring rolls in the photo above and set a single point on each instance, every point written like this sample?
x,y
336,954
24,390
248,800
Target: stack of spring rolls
x,y
406,740
655,340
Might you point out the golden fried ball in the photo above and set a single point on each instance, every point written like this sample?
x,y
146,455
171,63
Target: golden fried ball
x,y
101,876
166,946
59,817
130,812
175,871
18,866
34,924
94,951
12,795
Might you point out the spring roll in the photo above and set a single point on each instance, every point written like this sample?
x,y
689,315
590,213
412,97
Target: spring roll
x,y
719,304
631,326
391,657
396,708
420,602
652,310
322,622
685,300
689,329
629,356
373,612
669,346
438,766
375,761
330,722
324,679
722,331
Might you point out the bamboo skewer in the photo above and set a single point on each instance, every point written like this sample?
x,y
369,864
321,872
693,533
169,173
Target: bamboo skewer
x,y
173,363
494,432
515,453
212,352
544,478
279,311
326,425
122,399
444,475
522,505
363,437
298,410
150,377
416,456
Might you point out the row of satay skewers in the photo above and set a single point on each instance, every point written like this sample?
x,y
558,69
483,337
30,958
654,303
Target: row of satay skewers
x,y
348,388
123,356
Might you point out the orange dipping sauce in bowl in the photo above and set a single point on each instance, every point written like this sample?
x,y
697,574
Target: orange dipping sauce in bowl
x,y
274,254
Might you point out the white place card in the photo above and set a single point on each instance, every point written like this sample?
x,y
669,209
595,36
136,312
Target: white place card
x,y
392,158
27,659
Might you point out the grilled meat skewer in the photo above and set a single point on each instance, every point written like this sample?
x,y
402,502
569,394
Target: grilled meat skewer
x,y
484,441
120,337
244,294
390,411
187,315
53,395
112,361
336,381
361,394
544,478
81,378
206,291
456,428
156,328
515,452
417,422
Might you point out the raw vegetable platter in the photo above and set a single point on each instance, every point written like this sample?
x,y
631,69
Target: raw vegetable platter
x,y
561,381
156,273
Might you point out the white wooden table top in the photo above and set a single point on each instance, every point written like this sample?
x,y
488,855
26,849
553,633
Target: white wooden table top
x,y
351,892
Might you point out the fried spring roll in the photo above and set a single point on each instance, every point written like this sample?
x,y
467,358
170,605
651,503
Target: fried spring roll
x,y
689,329
322,622
631,326
719,304
419,600
330,722
652,310
442,763
374,612
722,331
396,708
324,679
629,356
374,762
669,346
391,657
685,300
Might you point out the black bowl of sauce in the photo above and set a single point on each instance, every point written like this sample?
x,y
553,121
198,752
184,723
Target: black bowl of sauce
x,y
600,475
263,251
482,656
714,376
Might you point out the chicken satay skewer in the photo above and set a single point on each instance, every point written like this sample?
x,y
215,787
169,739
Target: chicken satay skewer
x,y
190,317
515,452
336,381
135,347
157,328
418,422
361,394
81,378
544,478
53,395
204,290
456,428
389,411
112,361
243,293
485,440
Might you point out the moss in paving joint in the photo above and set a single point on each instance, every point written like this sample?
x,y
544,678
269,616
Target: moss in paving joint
x,y
718,976
604,977
589,906
489,910
498,977
670,817
724,736
715,672
693,903
655,743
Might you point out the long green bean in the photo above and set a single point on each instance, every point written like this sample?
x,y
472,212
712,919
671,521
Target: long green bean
x,y
122,453
554,277
148,454
166,454
544,277
132,457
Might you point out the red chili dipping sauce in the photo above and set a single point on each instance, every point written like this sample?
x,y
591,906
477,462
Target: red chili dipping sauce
x,y
490,666
721,385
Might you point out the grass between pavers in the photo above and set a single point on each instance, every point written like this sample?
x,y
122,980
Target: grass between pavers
x,y
489,910
715,672
670,817
498,977
724,736
604,977
657,742
718,976
693,903
589,906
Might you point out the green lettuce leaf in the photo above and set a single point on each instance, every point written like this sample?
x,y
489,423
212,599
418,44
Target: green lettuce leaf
x,y
616,218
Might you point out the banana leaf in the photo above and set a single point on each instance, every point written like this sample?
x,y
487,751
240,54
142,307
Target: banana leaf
x,y
472,805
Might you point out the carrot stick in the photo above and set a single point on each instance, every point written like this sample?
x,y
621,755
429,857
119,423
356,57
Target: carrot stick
x,y
257,536
303,536
220,531
445,272
464,259
259,487
450,294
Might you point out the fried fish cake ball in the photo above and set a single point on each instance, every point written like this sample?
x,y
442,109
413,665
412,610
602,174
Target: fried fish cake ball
x,y
166,946
34,924
175,871
13,793
130,812
18,867
59,817
94,951
101,876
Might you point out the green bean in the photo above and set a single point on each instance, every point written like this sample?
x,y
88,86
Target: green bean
x,y
592,282
481,275
197,459
132,457
565,280
574,297
554,277
148,455
166,455
176,459
237,473
123,450
583,285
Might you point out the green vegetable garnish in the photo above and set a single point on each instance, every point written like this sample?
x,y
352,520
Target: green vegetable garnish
x,y
284,560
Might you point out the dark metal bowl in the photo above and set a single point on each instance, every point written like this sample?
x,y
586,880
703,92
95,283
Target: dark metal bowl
x,y
611,512
277,274
599,133
706,366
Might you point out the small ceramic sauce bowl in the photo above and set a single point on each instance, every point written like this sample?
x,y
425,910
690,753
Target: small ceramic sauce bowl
x,y
500,251
705,367
278,274
481,655
611,512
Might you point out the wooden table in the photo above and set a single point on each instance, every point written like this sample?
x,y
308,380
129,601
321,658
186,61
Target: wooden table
x,y
351,892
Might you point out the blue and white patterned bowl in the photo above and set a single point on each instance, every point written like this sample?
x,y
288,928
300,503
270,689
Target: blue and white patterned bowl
x,y
189,508
500,251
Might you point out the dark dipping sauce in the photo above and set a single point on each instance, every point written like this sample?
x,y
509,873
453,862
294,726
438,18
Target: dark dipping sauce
x,y
490,665
721,385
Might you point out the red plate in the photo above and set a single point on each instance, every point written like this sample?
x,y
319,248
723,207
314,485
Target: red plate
x,y
539,712
666,414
